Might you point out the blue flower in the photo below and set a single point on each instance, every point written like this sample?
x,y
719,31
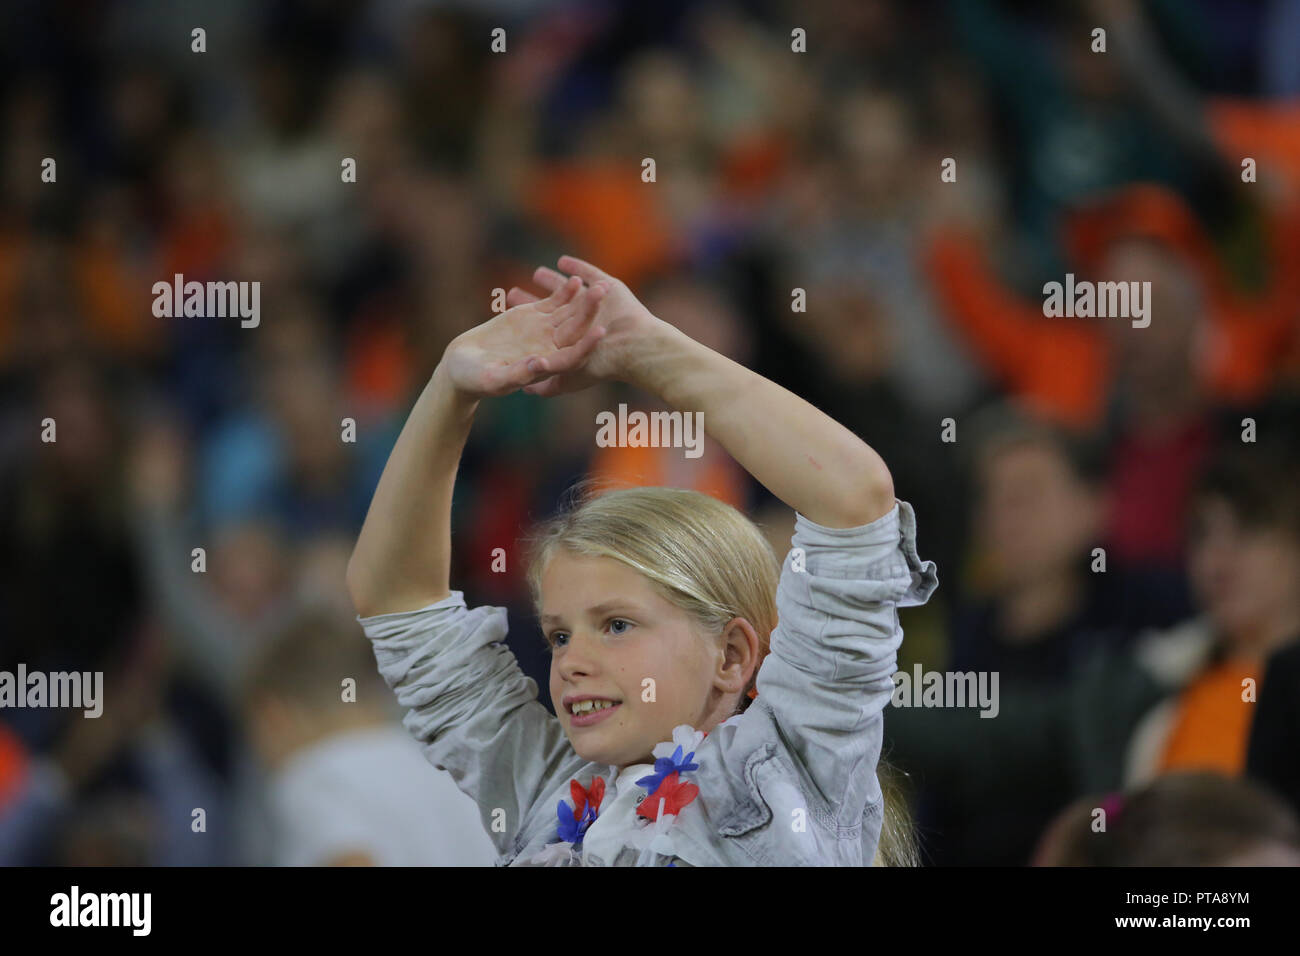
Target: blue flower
x,y
666,765
570,830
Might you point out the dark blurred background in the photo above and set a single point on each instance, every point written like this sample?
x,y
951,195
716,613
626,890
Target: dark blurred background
x,y
775,170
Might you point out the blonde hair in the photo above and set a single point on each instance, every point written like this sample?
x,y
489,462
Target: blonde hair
x,y
705,557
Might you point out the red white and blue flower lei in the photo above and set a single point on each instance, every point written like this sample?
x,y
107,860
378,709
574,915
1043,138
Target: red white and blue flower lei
x,y
667,793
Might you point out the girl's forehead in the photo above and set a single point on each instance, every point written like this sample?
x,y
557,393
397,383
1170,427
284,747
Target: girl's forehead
x,y
567,572
566,561
577,584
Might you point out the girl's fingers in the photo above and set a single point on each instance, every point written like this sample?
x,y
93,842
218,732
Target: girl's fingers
x,y
569,330
564,359
561,295
548,279
572,309
517,296
518,374
586,270
571,357
547,388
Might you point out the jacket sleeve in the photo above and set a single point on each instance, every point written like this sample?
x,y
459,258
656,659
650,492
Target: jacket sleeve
x,y
830,672
473,711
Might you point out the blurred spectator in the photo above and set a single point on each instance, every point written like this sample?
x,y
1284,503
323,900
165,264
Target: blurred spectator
x,y
1245,566
867,235
126,788
1183,819
289,453
1049,603
1174,699
1161,431
348,785
70,590
1064,367
217,618
1152,387
1040,608
1075,128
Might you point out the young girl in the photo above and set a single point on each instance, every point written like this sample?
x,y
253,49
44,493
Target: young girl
x,y
658,606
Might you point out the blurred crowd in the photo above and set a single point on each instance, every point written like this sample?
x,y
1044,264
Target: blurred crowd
x,y
1115,511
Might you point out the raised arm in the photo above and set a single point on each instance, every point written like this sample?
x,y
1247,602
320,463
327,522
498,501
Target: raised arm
x,y
803,456
402,558
473,711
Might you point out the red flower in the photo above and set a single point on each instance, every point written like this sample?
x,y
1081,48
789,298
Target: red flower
x,y
672,792
581,797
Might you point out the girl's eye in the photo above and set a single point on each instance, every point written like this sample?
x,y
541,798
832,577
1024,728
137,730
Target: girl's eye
x,y
560,638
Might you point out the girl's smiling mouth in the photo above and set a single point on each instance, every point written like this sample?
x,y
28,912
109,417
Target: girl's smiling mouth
x,y
585,711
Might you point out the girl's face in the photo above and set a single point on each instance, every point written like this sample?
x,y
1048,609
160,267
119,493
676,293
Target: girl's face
x,y
615,639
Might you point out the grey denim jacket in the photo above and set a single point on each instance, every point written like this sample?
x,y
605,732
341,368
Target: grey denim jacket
x,y
791,781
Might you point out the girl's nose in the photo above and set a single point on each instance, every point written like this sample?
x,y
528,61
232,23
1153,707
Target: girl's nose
x,y
580,658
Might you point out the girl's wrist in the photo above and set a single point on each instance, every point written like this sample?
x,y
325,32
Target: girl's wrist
x,y
442,384
655,356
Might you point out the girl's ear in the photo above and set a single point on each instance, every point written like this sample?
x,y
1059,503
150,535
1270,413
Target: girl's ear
x,y
739,654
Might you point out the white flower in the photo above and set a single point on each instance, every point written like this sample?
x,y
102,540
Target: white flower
x,y
684,736
640,838
660,842
653,840
555,854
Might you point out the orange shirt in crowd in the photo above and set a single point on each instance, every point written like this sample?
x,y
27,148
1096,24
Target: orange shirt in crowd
x,y
1062,367
112,296
108,301
1267,132
1212,726
610,216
